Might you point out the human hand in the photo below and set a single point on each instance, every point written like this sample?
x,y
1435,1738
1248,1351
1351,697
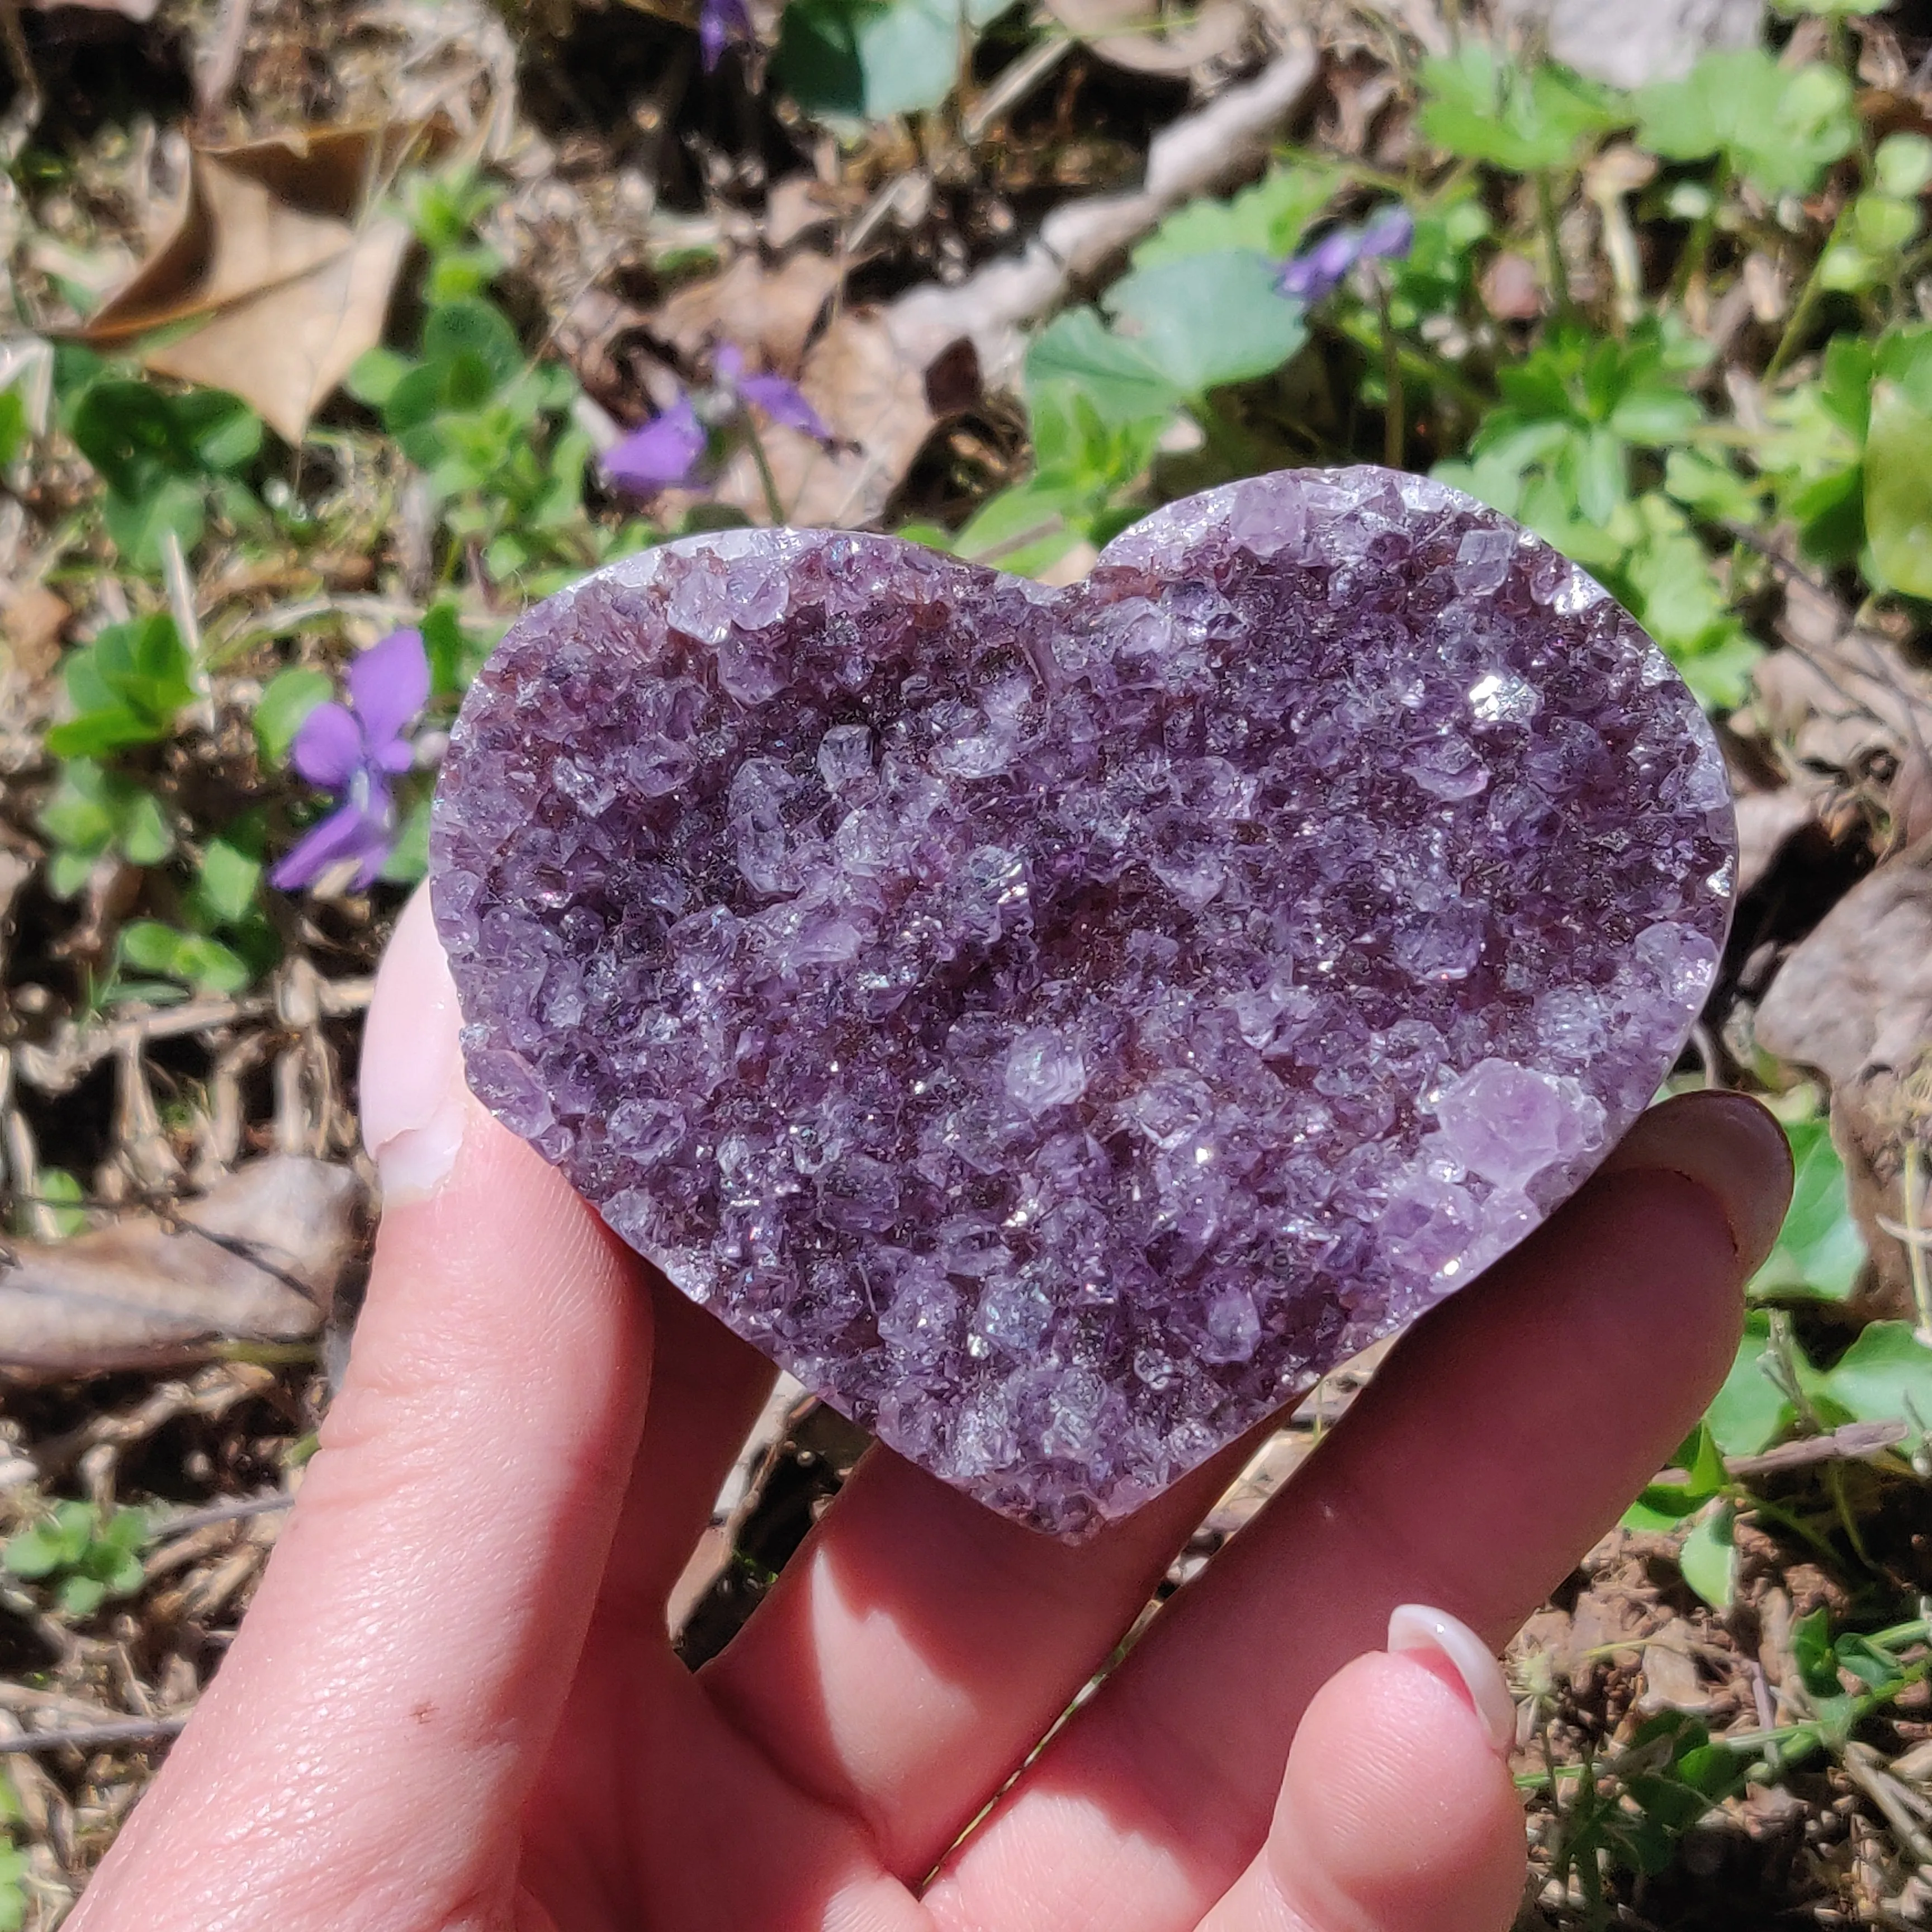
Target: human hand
x,y
453,1706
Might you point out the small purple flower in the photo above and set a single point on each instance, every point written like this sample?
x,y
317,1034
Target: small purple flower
x,y
1318,272
355,750
1388,235
665,452
674,449
719,23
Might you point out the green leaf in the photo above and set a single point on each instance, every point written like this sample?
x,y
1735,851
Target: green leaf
x,y
456,273
1815,1655
455,655
126,687
192,957
37,1551
1521,121
373,377
141,826
79,814
223,432
1026,530
82,1596
453,331
1709,1558
68,871
1269,217
1902,165
286,699
224,891
1819,1252
1662,1506
13,427
869,59
1209,321
150,946
210,967
1114,375
1882,224
1898,489
409,857
1886,1375
1710,488
1750,1411
62,1195
1779,127
138,526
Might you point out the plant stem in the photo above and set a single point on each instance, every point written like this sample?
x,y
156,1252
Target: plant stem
x,y
767,480
1697,249
1915,1242
1800,319
1392,404
1553,240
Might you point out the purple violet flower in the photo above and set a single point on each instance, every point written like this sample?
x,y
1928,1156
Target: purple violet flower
x,y
355,750
1318,271
666,452
719,23
673,450
1388,234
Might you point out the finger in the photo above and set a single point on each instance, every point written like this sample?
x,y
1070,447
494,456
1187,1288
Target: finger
x,y
1496,1444
707,1388
1396,1813
360,1758
919,1646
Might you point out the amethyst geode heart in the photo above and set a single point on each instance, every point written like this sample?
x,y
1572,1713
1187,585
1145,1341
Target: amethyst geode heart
x,y
1059,1024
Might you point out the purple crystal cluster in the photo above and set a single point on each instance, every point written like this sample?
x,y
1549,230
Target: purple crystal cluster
x,y
1059,1024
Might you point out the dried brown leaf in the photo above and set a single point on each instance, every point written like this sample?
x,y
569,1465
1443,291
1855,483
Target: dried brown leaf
x,y
1846,700
33,618
285,349
770,313
274,253
1854,1001
796,205
257,1259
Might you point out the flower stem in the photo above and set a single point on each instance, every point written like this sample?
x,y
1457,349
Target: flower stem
x,y
1392,402
1800,319
767,480
1553,240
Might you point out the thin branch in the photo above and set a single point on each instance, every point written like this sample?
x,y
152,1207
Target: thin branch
x,y
236,1511
94,1737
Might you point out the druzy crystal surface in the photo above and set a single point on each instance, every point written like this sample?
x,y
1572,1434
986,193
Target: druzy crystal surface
x,y
1058,1024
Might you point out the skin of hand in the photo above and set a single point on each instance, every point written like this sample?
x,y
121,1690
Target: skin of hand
x,y
453,1706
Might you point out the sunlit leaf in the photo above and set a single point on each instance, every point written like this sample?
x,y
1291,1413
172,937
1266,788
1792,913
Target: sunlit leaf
x,y
1750,1411
1819,1252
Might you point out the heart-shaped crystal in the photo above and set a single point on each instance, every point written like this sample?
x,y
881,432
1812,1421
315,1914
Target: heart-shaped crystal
x,y
1057,1025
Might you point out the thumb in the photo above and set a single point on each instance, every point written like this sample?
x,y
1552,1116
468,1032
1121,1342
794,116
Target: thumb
x,y
361,1760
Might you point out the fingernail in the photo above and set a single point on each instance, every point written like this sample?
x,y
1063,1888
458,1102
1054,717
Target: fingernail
x,y
415,1104
1419,1629
1731,1146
